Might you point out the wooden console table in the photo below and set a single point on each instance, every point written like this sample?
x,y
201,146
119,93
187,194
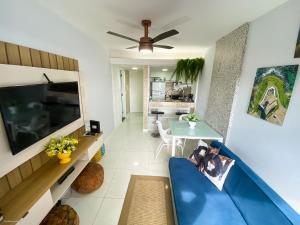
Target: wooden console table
x,y
31,200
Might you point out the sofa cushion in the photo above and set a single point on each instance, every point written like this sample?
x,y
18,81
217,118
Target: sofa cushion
x,y
197,200
256,201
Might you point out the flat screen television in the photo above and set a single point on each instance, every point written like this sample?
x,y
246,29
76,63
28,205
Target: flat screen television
x,y
32,112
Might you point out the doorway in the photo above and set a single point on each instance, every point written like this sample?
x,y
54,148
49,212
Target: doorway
x,y
127,84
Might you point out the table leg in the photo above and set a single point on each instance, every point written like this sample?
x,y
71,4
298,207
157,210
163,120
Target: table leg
x,y
173,146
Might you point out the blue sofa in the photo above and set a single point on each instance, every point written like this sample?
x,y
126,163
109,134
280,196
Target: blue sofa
x,y
245,198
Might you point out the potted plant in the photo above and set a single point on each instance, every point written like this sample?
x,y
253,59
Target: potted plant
x,y
188,69
62,148
192,119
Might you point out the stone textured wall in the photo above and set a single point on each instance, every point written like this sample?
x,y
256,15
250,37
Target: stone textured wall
x,y
227,69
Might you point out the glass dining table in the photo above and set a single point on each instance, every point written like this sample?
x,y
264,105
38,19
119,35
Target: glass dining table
x,y
181,129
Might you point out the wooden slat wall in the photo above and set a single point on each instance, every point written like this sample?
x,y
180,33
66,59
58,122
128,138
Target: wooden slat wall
x,y
14,177
19,55
36,58
13,54
60,63
45,59
66,63
25,56
4,186
3,56
26,169
53,61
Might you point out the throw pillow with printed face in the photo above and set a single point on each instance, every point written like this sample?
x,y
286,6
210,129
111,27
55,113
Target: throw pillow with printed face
x,y
199,154
216,168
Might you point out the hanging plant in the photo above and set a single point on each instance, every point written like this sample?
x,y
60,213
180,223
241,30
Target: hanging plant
x,y
188,69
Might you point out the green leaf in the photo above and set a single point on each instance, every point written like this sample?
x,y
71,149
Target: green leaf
x,y
188,69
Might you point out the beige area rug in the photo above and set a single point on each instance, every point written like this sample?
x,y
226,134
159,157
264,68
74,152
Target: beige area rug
x,y
148,201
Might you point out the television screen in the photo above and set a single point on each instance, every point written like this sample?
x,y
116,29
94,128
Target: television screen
x,y
32,112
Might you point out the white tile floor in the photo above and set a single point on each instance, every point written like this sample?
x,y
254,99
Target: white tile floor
x,y
128,151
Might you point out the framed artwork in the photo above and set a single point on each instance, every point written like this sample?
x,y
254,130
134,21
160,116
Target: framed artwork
x,y
272,91
297,51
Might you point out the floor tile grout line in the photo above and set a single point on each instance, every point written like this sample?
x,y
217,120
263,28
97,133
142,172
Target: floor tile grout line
x,y
95,217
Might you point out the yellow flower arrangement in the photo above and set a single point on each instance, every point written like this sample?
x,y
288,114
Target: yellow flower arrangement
x,y
61,145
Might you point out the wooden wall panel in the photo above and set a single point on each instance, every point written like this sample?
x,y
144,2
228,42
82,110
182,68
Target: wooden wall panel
x,y
76,64
26,169
45,59
13,54
4,186
3,56
71,64
53,61
66,63
36,58
44,157
60,63
25,56
14,178
36,162
20,55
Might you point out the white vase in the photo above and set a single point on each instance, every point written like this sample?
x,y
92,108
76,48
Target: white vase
x,y
192,125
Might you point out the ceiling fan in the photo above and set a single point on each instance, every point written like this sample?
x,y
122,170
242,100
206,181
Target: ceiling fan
x,y
147,43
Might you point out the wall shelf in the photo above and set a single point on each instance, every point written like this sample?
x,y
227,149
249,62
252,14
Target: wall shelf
x,y
16,203
58,190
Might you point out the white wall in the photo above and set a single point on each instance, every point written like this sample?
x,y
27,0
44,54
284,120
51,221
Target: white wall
x,y
204,82
271,150
30,24
136,90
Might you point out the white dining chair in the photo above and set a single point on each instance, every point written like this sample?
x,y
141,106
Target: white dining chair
x,y
166,139
181,117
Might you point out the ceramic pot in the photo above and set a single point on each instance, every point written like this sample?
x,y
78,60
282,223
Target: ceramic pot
x,y
192,124
64,157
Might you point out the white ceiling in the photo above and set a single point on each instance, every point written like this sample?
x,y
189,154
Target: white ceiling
x,y
200,22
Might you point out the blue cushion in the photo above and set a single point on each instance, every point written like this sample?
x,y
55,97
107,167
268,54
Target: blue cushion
x,y
256,201
197,200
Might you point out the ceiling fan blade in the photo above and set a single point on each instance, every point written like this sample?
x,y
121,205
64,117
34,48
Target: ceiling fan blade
x,y
132,47
163,46
165,35
122,36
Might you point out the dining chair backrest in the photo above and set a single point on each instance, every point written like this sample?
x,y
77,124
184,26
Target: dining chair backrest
x,y
181,117
163,133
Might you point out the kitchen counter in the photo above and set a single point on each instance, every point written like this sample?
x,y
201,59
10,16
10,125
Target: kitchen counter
x,y
170,104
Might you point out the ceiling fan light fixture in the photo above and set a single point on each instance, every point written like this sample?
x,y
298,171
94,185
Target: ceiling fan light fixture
x,y
146,45
145,50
